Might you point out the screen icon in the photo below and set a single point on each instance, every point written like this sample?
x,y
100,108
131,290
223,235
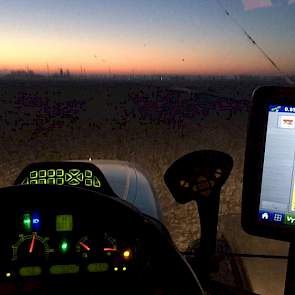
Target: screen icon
x,y
265,216
290,219
287,122
278,217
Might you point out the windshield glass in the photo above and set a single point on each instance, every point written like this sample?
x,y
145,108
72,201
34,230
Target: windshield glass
x,y
140,81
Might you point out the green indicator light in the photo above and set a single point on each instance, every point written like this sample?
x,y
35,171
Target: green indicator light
x,y
74,172
59,181
116,268
42,181
26,181
51,181
27,222
80,177
64,246
64,222
68,177
96,182
42,173
60,172
34,181
51,173
74,182
33,174
8,274
88,174
124,268
88,182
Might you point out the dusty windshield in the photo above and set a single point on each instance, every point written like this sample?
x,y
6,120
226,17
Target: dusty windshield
x,y
139,81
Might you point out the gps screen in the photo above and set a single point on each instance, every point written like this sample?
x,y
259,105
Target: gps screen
x,y
277,199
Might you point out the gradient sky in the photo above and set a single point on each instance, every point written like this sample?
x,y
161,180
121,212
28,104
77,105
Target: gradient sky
x,y
146,36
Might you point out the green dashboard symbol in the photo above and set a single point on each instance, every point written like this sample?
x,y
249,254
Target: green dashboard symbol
x,y
60,177
74,177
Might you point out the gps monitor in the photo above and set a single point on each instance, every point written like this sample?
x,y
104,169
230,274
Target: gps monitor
x,y
268,201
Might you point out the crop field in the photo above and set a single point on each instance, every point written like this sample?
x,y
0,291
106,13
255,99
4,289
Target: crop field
x,y
151,123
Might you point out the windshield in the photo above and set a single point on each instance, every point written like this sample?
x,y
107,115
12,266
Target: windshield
x,y
139,81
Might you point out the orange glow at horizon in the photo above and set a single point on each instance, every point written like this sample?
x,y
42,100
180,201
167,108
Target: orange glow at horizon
x,y
100,57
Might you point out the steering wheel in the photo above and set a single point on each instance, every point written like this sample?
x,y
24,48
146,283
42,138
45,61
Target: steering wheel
x,y
63,239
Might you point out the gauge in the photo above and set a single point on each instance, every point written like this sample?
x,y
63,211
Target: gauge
x,y
30,247
84,246
109,244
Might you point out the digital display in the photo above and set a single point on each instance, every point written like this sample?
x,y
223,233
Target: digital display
x,y
277,199
64,222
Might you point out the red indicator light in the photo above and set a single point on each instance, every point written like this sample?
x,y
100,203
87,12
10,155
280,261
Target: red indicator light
x,y
87,248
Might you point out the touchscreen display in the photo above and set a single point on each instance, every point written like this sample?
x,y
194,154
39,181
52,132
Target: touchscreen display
x,y
277,199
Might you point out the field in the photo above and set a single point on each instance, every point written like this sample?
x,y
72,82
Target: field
x,y
151,123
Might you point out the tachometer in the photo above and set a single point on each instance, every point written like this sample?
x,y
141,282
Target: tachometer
x,y
30,247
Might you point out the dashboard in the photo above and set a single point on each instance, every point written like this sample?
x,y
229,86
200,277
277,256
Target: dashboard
x,y
63,239
51,233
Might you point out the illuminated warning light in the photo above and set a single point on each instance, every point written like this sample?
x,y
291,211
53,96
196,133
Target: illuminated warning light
x,y
64,222
26,181
116,268
51,173
88,174
64,246
27,222
96,182
124,268
8,274
60,172
42,173
88,182
36,224
33,174
126,254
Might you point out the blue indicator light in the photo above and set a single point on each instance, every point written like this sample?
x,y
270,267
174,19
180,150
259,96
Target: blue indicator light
x,y
36,222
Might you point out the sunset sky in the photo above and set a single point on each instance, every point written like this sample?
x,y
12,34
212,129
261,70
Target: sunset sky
x,y
146,36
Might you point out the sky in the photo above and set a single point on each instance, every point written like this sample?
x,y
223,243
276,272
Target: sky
x,y
147,36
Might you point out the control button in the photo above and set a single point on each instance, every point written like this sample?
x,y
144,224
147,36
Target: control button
x,y
278,217
263,215
290,219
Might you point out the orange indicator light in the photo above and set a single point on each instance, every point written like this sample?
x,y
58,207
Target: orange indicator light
x,y
126,254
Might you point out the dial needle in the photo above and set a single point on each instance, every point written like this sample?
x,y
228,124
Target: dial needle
x,y
87,248
32,244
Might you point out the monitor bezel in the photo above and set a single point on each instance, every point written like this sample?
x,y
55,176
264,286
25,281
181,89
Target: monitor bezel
x,y
262,98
